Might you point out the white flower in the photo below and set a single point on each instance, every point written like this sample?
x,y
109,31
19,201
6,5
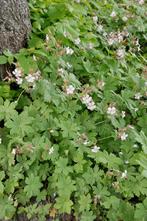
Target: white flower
x,y
136,109
33,86
138,48
141,2
126,162
100,28
100,84
104,34
123,136
125,33
124,18
86,142
77,41
13,151
124,174
90,45
34,58
51,150
65,34
69,50
47,38
130,127
68,65
30,78
95,19
138,96
37,75
88,101
135,146
95,149
91,106
19,81
145,84
17,72
119,37
123,114
120,153
120,53
111,110
111,41
0,140
70,90
61,71
116,37
113,14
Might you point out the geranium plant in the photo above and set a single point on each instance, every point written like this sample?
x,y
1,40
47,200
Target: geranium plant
x,y
73,123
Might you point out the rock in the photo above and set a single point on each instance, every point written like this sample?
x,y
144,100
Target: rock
x,y
15,26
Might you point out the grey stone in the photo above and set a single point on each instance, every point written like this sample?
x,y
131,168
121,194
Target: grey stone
x,y
15,25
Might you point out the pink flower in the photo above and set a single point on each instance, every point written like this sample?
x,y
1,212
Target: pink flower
x,y
113,14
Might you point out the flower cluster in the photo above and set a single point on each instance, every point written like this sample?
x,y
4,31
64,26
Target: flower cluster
x,y
99,28
77,41
120,53
140,2
116,37
95,149
111,110
51,151
95,19
32,77
138,96
123,114
69,51
70,90
83,139
61,71
121,134
124,175
88,101
18,73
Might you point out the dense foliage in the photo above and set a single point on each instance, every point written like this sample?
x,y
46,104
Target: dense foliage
x,y
73,123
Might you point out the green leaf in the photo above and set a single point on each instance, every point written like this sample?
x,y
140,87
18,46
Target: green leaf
x,y
88,66
2,175
1,188
63,204
7,110
6,207
65,181
20,124
3,60
141,211
61,166
144,173
142,139
87,216
33,186
84,202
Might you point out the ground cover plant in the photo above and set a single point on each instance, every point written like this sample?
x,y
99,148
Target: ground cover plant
x,y
73,123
